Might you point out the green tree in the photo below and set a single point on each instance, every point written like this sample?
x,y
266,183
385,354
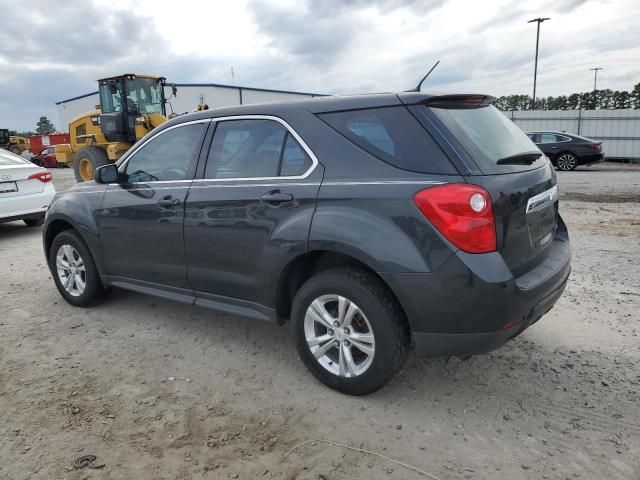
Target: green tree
x,y
621,99
599,99
44,125
635,97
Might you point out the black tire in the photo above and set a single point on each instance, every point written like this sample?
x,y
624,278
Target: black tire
x,y
96,156
566,161
93,291
384,315
34,222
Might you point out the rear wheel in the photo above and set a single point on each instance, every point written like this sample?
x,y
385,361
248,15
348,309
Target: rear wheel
x,y
567,161
74,271
87,160
349,330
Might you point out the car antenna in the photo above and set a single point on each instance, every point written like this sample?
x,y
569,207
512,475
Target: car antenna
x,y
417,89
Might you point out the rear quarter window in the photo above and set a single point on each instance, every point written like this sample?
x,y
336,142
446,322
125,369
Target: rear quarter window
x,y
392,135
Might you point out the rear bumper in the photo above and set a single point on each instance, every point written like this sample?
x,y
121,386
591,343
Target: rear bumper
x,y
591,159
26,206
473,304
465,344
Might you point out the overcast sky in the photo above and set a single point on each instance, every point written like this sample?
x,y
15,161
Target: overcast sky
x,y
51,51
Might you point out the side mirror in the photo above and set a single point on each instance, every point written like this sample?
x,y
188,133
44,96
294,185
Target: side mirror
x,y
107,174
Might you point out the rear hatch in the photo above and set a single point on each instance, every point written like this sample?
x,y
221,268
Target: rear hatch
x,y
492,152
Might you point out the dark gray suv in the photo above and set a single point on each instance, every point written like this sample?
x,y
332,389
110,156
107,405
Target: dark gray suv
x,y
370,223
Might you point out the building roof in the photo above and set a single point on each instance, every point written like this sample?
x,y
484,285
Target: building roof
x,y
218,85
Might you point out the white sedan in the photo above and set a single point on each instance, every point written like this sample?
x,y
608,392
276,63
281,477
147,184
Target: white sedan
x,y
25,190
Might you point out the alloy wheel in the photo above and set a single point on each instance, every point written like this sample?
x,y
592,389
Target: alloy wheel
x,y
566,162
71,270
339,335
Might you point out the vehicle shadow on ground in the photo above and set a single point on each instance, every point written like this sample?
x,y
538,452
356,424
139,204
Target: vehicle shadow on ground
x,y
273,345
13,230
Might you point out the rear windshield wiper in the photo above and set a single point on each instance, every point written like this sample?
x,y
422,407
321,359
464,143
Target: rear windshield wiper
x,y
520,159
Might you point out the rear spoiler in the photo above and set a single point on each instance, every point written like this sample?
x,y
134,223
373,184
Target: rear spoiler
x,y
447,101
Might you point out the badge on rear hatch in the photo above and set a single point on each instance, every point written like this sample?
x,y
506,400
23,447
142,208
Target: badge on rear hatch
x,y
541,217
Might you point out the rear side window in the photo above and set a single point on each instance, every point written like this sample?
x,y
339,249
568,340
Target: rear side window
x,y
295,160
254,149
494,143
393,135
549,138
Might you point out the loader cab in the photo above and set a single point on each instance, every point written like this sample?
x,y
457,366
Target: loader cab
x,y
123,99
4,137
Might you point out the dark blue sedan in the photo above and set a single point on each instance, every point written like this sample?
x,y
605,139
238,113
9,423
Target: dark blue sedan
x,y
567,151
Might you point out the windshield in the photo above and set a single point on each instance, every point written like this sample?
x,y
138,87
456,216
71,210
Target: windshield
x,y
4,136
490,138
8,158
144,95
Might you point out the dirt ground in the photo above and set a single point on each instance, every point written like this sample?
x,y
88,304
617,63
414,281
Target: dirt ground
x,y
160,390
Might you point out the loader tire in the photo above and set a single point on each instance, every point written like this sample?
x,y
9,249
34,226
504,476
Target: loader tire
x,y
86,161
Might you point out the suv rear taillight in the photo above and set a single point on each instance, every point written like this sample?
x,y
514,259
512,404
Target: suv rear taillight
x,y
462,213
44,177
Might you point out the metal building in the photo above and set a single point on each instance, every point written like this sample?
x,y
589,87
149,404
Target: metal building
x,y
619,130
189,95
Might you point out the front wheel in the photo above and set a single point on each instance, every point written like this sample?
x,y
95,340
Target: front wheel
x,y
567,161
349,330
74,271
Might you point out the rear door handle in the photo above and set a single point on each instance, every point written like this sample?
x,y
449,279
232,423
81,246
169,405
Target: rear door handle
x,y
168,201
276,196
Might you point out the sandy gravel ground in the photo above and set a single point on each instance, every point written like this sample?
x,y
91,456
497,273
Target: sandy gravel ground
x,y
159,390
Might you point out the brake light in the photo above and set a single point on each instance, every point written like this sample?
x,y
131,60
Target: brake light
x,y
462,213
44,176
595,146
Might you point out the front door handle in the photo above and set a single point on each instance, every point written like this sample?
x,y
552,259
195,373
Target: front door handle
x,y
168,201
276,196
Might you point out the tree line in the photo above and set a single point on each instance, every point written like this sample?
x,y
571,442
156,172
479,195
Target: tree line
x,y
43,126
594,100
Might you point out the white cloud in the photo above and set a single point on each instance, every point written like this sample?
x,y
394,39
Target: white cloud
x,y
327,46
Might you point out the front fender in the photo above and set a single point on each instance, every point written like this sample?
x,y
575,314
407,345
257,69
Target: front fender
x,y
78,208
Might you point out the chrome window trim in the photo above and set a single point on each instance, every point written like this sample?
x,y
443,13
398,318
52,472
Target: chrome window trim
x,y
289,128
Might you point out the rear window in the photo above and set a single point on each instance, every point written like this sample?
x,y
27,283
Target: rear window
x,y
394,136
489,137
8,158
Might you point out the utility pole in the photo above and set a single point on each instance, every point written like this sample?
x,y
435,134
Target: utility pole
x,y
595,76
535,68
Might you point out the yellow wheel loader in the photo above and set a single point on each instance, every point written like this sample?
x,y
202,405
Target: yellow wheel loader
x,y
131,105
13,143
